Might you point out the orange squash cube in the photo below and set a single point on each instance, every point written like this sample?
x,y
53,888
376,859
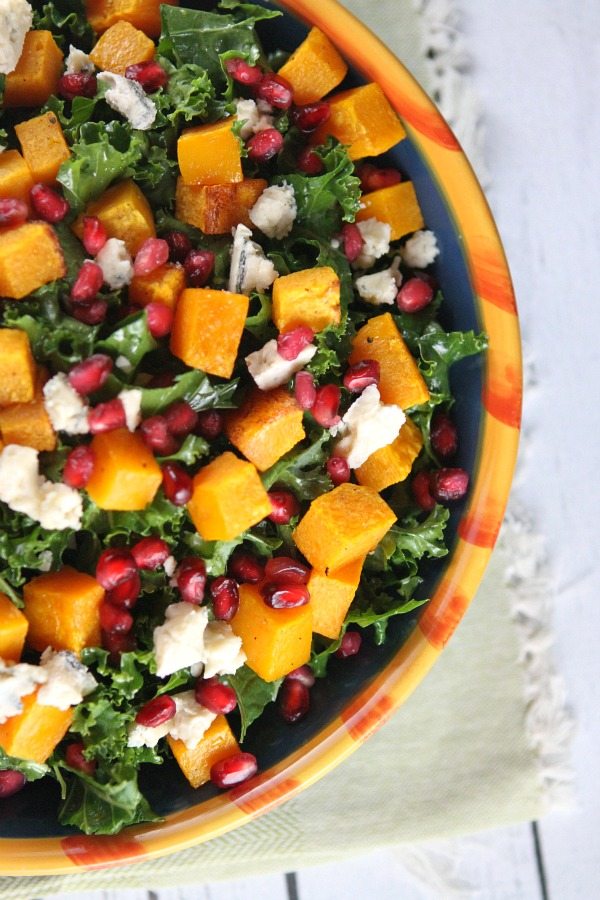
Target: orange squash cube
x,y
164,285
126,476
18,371
392,464
144,14
331,596
217,208
217,743
342,526
28,424
267,425
314,68
210,154
275,641
43,145
310,297
120,46
13,628
363,119
34,733
124,212
37,73
63,610
397,205
16,179
207,329
400,380
30,256
227,499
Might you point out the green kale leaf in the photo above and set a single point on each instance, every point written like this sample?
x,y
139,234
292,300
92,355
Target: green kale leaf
x,y
253,695
67,21
32,771
302,470
132,339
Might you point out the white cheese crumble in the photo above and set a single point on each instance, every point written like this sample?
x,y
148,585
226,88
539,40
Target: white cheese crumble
x,y
16,682
78,61
252,116
45,560
16,18
54,506
68,680
275,211
223,652
122,363
270,370
380,288
420,250
169,565
189,724
129,99
369,426
116,264
186,639
376,236
250,269
67,410
131,398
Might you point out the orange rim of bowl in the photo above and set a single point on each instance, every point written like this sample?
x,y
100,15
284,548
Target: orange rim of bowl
x,y
477,530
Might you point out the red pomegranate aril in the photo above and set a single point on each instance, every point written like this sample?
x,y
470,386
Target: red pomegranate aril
x,y
210,424
114,619
216,697
198,267
79,466
95,235
13,212
414,295
74,757
309,117
176,484
156,712
48,204
449,485
191,580
264,145
117,642
243,72
233,770
352,241
181,418
92,314
107,416
284,595
361,375
150,75
372,178
304,674
179,245
126,593
286,570
338,469
160,320
284,506
421,490
275,90
77,84
444,436
246,568
350,645
157,437
88,283
326,405
90,374
150,553
153,254
11,782
293,700
305,390
309,162
115,564
290,344
225,596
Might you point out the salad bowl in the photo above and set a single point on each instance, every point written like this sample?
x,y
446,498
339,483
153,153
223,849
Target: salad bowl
x,y
357,699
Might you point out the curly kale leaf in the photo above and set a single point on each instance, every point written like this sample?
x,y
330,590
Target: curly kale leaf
x,y
303,471
253,695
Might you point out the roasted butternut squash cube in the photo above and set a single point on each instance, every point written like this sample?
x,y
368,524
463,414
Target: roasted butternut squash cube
x,y
342,526
164,285
275,641
314,68
363,119
18,371
331,596
207,329
35,732
126,476
37,73
124,212
267,425
227,499
144,14
120,46
392,464
217,208
28,425
210,154
397,205
400,380
13,628
63,610
16,179
217,743
30,256
43,145
309,297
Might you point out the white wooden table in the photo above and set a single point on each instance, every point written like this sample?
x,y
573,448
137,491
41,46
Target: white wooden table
x,y
537,70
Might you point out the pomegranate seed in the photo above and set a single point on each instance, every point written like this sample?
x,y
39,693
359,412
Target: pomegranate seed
x,y
160,319
308,118
117,642
264,145
79,466
309,162
233,770
156,711
150,75
198,266
448,485
176,484
157,436
303,674
94,235
414,295
275,90
444,436
210,424
225,597
284,506
92,314
361,375
181,418
293,700
285,569
13,212
153,254
77,84
90,374
326,405
126,593
421,490
373,178
191,579
242,72
179,245
150,553
89,281
116,564
305,390
11,782
216,697
285,595
350,645
107,416
245,568
115,620
291,343
48,204
338,469
352,241
74,757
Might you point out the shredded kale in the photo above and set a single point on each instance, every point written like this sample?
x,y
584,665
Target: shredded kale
x,y
31,770
253,695
67,21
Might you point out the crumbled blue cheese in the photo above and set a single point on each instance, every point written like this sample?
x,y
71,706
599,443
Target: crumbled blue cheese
x,y
131,398
252,116
67,410
376,237
186,639
223,654
380,288
77,61
420,250
129,99
116,264
189,724
125,365
16,18
54,506
275,211
68,680
250,269
16,682
270,370
369,425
